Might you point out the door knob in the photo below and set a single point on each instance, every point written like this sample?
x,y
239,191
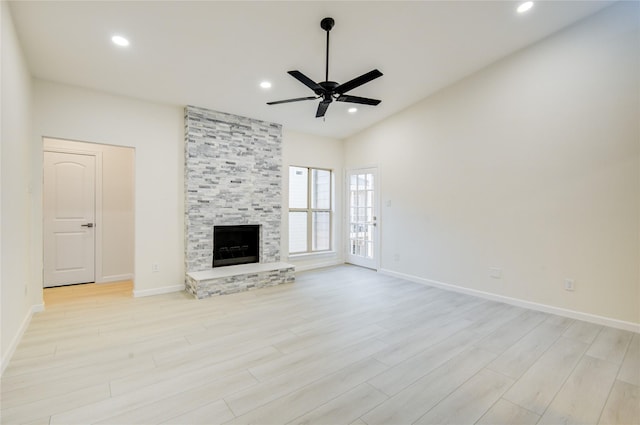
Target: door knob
x,y
87,225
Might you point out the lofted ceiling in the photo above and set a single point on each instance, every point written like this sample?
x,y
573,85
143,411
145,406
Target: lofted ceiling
x,y
214,54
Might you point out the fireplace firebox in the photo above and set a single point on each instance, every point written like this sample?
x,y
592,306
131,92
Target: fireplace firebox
x,y
236,245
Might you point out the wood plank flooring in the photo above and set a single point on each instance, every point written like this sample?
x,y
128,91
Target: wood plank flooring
x,y
342,345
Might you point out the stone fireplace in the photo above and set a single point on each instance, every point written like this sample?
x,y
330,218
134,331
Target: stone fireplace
x,y
233,177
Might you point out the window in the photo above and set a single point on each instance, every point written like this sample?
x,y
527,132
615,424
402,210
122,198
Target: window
x,y
310,215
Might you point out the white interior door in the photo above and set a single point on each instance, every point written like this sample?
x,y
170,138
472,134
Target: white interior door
x,y
363,217
69,218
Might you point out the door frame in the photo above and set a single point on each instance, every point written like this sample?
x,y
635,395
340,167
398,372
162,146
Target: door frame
x,y
378,211
98,204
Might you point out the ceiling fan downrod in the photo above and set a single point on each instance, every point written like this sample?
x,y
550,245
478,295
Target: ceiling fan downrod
x,y
326,24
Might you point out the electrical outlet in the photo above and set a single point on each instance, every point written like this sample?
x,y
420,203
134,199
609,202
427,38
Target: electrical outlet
x,y
155,267
569,285
495,272
396,257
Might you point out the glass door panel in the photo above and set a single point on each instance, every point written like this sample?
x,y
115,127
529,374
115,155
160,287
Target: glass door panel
x,y
363,230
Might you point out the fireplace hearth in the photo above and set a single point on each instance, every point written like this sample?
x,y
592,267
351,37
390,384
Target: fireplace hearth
x,y
234,245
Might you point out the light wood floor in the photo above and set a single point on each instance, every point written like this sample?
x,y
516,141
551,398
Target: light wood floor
x,y
340,346
86,293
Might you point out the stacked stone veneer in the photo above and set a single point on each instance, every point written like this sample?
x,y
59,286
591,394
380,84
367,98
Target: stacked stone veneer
x,y
203,288
233,176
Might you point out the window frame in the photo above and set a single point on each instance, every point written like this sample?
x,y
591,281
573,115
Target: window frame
x,y
309,210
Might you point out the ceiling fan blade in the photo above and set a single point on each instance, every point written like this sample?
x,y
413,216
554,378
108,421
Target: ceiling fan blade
x,y
306,81
322,109
356,99
358,81
298,99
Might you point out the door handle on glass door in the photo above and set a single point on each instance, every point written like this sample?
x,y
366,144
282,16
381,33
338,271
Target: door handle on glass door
x,y
87,225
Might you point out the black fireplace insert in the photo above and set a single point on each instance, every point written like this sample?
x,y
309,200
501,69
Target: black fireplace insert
x,y
236,245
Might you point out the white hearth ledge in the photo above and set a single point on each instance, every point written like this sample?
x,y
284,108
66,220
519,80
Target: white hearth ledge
x,y
243,277
229,271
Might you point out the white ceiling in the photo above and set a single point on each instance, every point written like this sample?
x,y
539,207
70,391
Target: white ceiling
x,y
214,54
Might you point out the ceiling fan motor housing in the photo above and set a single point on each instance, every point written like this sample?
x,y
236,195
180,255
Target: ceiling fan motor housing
x,y
328,87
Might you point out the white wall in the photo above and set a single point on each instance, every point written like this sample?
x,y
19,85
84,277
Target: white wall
x,y
313,151
118,216
115,219
531,165
156,132
18,290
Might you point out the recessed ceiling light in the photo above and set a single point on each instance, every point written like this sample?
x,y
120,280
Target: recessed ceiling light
x,y
352,110
265,85
525,6
120,40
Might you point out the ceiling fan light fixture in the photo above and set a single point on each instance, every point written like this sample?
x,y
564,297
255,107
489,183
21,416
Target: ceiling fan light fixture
x,y
352,110
524,7
265,85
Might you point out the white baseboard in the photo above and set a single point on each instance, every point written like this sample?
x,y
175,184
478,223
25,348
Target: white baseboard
x,y
572,314
4,362
317,265
157,291
115,278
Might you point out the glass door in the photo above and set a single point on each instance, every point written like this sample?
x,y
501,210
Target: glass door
x,y
363,218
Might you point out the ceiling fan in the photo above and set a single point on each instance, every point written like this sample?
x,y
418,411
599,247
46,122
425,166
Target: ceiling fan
x,y
330,90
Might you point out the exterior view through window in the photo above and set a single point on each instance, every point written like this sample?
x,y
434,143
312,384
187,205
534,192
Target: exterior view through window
x,y
310,210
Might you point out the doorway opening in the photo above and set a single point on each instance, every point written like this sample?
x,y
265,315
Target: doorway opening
x,y
88,213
